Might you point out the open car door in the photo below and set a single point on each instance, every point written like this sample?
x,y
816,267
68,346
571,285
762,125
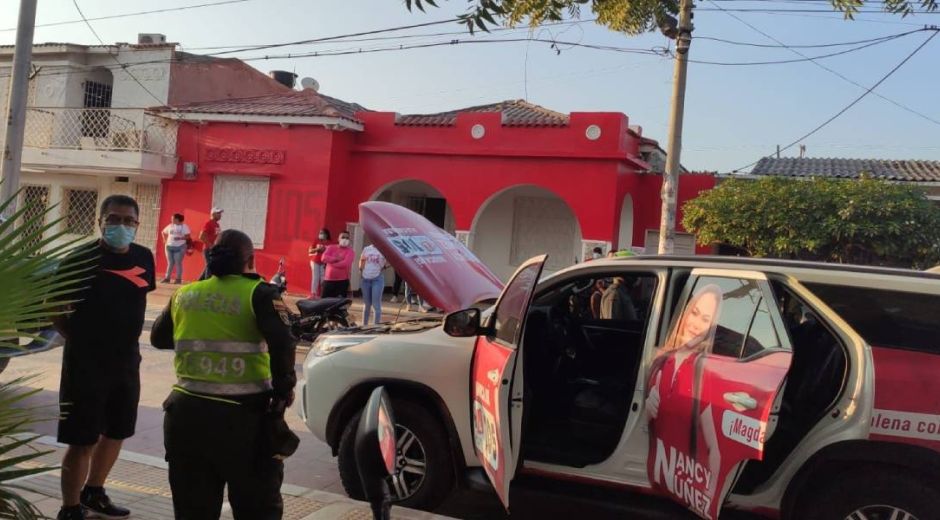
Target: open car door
x,y
714,387
496,380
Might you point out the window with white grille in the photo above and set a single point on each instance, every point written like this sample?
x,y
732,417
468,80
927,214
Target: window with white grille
x,y
80,207
245,204
34,201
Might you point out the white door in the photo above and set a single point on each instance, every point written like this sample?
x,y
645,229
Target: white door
x,y
245,202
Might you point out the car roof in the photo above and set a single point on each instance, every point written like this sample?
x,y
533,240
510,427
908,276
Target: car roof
x,y
811,272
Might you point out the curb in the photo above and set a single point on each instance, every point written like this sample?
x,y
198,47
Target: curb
x,y
337,507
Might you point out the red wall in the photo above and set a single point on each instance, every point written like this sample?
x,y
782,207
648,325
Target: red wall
x,y
298,189
324,175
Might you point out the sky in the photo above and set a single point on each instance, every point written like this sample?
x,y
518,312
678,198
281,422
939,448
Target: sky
x,y
734,114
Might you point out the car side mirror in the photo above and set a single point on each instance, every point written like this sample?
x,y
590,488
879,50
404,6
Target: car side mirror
x,y
463,324
376,452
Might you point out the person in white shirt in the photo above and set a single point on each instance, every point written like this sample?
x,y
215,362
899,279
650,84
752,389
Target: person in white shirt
x,y
177,239
371,265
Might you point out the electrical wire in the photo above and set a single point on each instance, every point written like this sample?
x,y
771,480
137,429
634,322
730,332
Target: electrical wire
x,y
850,105
779,45
329,38
799,60
138,13
555,44
774,10
833,71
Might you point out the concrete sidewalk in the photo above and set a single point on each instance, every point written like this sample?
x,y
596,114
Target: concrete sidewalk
x,y
140,483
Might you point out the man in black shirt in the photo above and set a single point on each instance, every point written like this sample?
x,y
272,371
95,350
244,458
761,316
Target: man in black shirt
x,y
100,386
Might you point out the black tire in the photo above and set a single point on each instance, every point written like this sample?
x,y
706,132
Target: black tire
x,y
438,479
877,492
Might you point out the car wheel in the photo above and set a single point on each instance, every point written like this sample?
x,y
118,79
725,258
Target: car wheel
x,y
425,472
874,494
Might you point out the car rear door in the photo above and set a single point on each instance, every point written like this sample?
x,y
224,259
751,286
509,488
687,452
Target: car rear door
x,y
714,386
496,380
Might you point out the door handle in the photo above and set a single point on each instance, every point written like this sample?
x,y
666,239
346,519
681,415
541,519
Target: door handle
x,y
740,401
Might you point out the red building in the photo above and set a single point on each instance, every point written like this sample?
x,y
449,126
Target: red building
x,y
511,179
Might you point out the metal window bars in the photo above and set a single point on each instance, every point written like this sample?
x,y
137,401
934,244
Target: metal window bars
x,y
34,200
80,207
115,129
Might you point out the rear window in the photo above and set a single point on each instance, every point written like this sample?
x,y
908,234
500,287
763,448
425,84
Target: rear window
x,y
887,318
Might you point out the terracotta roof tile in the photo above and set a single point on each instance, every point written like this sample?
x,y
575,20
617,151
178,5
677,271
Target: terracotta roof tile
x,y
514,113
296,103
910,171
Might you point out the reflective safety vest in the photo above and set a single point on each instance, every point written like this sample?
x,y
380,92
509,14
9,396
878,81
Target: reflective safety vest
x,y
219,348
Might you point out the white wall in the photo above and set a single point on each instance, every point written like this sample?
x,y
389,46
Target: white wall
x,y
492,234
625,237
59,182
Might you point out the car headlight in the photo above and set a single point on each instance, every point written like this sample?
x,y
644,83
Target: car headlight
x,y
328,344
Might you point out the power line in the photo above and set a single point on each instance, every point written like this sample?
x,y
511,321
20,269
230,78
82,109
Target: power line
x,y
830,70
780,45
126,71
852,104
556,44
138,13
328,38
775,10
800,60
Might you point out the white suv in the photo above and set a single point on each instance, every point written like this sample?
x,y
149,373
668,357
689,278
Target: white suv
x,y
717,383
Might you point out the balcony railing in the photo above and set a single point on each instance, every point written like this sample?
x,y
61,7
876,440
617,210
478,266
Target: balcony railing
x,y
114,129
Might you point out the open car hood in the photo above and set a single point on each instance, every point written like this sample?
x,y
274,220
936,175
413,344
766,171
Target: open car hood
x,y
433,262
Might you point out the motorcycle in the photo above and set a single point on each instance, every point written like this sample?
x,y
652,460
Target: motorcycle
x,y
316,316
319,316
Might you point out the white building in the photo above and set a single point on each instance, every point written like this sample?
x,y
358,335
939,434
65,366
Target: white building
x,y
89,133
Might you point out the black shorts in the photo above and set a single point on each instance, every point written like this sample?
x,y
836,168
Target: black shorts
x,y
98,400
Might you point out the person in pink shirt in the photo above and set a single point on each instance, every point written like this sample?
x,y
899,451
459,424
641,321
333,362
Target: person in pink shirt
x,y
338,259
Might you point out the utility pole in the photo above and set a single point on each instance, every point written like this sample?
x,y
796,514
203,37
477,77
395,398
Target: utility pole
x,y
667,226
16,115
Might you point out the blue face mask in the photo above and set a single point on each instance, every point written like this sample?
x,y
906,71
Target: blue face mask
x,y
119,237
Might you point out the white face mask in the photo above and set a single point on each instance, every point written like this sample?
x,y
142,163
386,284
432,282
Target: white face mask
x,y
596,255
344,242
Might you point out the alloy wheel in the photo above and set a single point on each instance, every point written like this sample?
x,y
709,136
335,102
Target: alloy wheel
x,y
410,465
880,512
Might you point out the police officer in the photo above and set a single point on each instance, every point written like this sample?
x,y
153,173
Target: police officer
x,y
235,369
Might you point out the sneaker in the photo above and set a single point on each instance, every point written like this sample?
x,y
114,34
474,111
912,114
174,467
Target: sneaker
x,y
394,299
165,280
98,505
71,513
178,282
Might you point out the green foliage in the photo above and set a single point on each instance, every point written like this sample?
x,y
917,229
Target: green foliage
x,y
34,291
626,16
846,221
16,423
34,288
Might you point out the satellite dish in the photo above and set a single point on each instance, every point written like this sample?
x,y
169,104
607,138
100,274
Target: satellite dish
x,y
310,84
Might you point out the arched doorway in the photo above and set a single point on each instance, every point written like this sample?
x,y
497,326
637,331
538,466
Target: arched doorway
x,y
420,197
521,222
625,237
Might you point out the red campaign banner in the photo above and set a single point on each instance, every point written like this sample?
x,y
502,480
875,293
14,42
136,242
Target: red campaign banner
x,y
489,365
436,265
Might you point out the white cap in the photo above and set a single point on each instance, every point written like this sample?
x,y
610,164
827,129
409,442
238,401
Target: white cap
x,y
216,210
